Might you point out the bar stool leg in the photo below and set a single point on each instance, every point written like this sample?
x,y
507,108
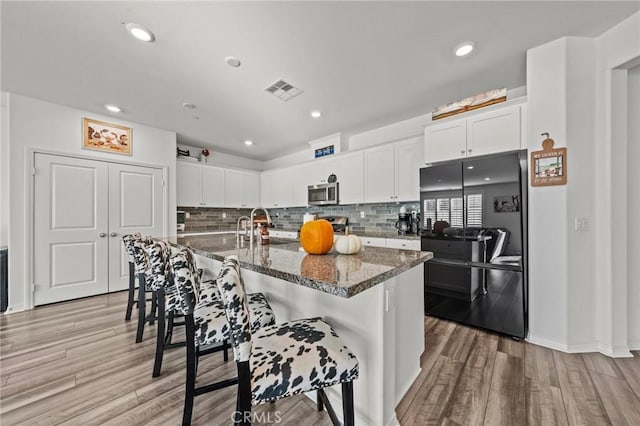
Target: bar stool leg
x,y
132,291
347,404
142,303
190,385
154,307
157,365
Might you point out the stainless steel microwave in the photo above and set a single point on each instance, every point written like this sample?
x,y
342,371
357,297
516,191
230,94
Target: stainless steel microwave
x,y
323,194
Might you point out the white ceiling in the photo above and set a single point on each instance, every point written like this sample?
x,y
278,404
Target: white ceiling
x,y
363,64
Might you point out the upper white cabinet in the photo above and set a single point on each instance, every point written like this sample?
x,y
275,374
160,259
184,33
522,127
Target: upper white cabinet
x,y
241,188
276,188
494,131
392,172
379,174
212,186
351,178
188,184
199,186
409,156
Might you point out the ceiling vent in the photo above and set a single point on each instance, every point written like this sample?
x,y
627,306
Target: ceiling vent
x,y
283,90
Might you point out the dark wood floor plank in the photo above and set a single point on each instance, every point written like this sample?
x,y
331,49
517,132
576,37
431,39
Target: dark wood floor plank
x,y
431,400
581,400
540,366
630,368
507,397
77,363
468,401
437,333
601,364
544,404
621,404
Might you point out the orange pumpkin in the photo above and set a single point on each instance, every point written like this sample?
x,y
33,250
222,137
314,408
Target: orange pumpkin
x,y
316,236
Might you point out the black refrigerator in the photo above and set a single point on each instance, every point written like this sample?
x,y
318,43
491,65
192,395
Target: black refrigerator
x,y
474,214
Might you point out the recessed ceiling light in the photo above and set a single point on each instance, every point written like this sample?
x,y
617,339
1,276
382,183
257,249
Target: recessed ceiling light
x,y
140,32
189,105
112,108
463,49
316,114
232,61
470,167
248,143
487,178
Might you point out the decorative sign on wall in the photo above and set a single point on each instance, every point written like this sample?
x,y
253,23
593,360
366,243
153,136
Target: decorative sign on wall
x,y
549,166
327,150
103,136
469,104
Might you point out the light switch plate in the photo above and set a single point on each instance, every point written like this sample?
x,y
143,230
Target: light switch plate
x,y
224,215
581,224
362,215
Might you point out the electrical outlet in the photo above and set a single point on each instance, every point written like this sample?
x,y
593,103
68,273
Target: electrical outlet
x,y
581,224
361,214
187,215
224,215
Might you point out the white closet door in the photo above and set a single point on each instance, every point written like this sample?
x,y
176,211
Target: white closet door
x,y
70,228
135,205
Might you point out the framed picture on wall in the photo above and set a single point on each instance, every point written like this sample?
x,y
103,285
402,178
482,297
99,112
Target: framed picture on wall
x,y
108,137
549,166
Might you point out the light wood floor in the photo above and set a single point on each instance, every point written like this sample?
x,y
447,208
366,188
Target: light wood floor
x,y
76,363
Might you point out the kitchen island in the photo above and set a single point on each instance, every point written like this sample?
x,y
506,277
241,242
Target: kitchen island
x,y
374,301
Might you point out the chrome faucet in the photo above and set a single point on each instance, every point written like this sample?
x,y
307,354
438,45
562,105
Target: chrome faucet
x,y
240,219
251,216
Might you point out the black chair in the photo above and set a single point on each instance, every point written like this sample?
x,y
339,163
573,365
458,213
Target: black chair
x,y
285,359
206,327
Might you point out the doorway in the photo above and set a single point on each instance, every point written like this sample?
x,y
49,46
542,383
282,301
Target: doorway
x,y
82,208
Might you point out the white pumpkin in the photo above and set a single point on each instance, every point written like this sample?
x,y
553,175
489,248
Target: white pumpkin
x,y
348,244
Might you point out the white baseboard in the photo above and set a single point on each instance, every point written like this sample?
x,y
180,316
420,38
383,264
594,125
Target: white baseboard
x,y
408,385
634,345
14,309
614,352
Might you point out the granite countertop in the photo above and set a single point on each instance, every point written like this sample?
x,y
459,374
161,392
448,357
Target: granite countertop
x,y
333,273
387,233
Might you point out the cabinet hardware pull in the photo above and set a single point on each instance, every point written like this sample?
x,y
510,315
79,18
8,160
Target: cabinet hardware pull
x,y
462,151
469,151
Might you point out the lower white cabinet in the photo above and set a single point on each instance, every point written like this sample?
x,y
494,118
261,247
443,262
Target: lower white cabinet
x,y
373,242
403,244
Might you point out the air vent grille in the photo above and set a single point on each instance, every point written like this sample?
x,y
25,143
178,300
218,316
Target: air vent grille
x,y
283,90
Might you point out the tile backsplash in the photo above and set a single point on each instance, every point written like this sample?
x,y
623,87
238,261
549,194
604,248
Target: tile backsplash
x,y
377,217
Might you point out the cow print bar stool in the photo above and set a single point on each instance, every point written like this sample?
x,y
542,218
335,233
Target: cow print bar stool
x,y
136,244
205,320
284,359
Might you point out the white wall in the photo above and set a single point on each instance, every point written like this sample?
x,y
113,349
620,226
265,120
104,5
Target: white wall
x,y
633,208
548,275
4,170
578,285
36,124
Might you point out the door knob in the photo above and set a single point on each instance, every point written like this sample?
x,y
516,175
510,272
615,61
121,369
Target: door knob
x,y
103,234
113,234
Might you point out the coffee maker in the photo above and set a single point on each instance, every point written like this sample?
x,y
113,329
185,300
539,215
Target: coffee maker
x,y
403,224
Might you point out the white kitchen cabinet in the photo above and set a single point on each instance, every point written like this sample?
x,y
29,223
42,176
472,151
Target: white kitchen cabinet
x,y
445,141
351,178
241,188
403,244
379,174
409,157
276,188
497,130
188,184
212,186
373,242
